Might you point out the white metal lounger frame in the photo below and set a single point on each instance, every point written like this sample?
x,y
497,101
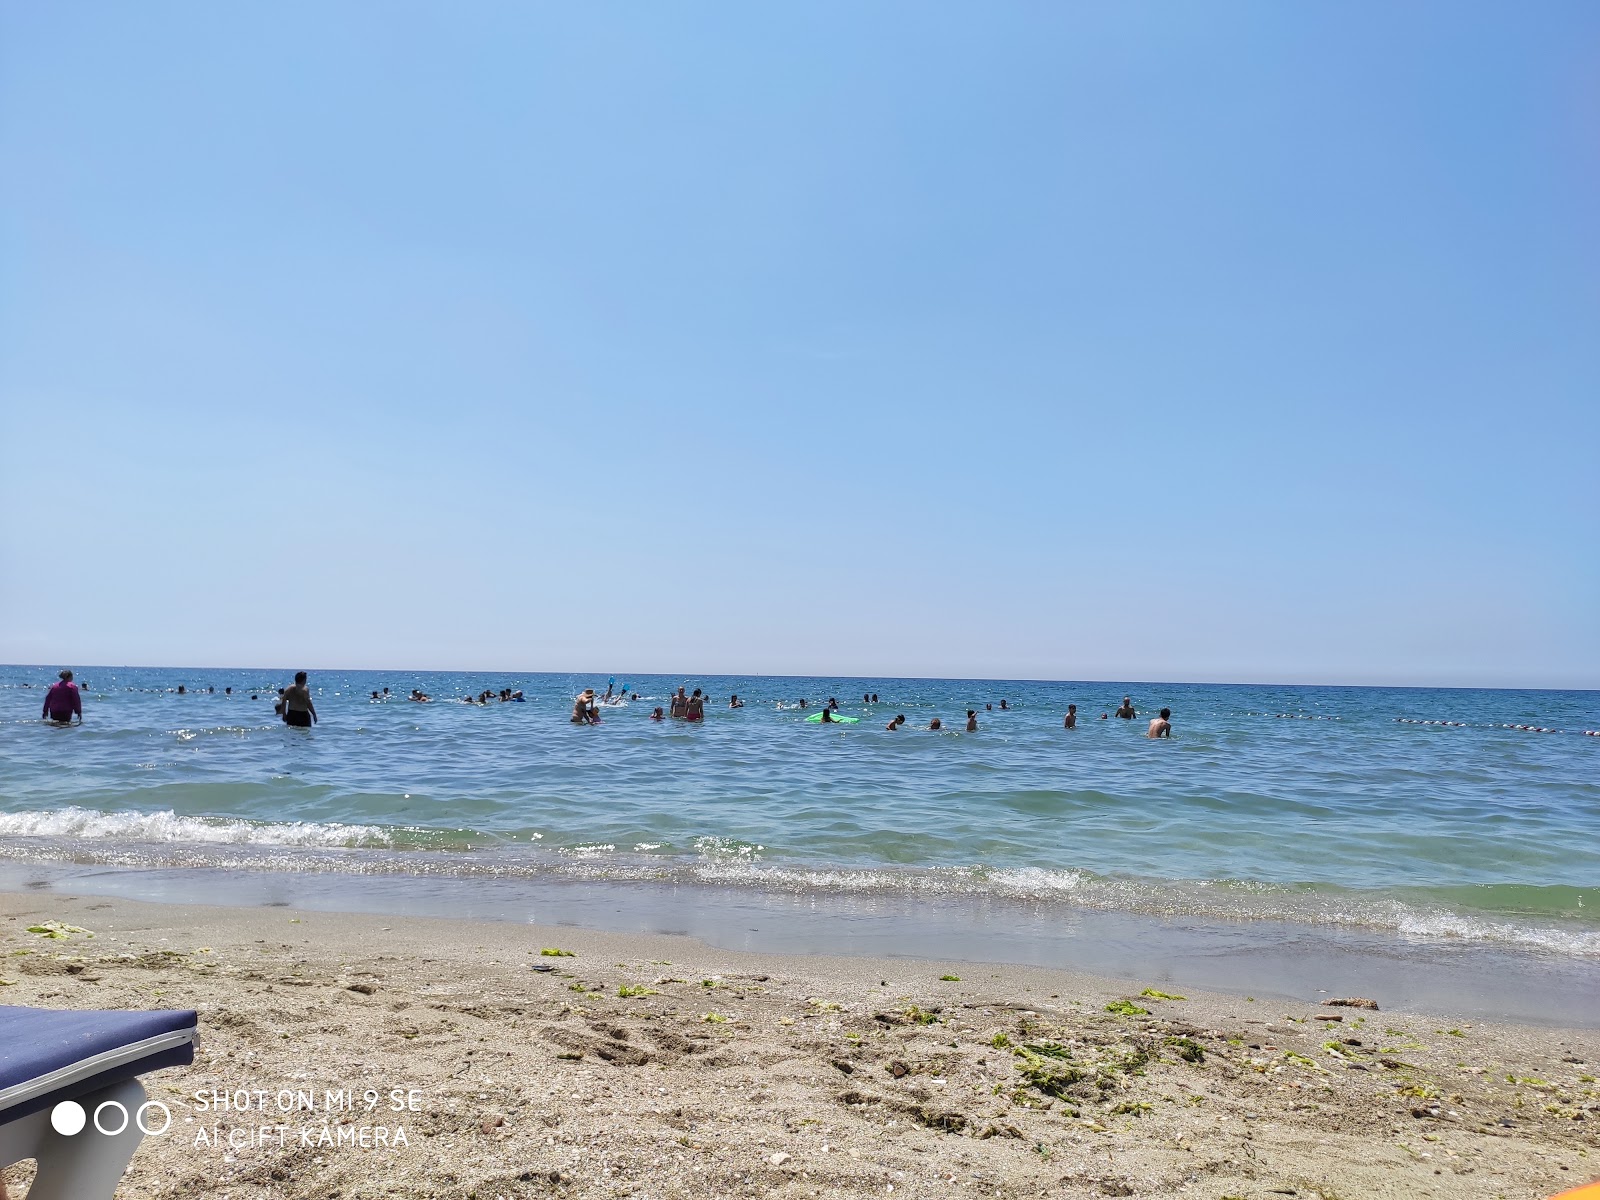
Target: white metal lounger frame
x,y
87,1166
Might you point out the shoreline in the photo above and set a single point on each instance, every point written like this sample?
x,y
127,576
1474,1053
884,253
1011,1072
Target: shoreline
x,y
656,1065
1288,960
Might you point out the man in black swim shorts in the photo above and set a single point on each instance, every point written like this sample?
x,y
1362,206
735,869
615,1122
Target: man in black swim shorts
x,y
297,707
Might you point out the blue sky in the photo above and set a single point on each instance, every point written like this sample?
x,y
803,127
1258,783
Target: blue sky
x,y
1232,341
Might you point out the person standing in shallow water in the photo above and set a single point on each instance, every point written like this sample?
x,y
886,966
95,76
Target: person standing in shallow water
x,y
679,706
1071,721
1126,711
972,721
298,710
63,701
1161,727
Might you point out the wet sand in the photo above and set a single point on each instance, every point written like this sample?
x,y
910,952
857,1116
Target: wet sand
x,y
651,1065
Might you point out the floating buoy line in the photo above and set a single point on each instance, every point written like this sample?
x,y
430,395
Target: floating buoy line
x,y
1491,725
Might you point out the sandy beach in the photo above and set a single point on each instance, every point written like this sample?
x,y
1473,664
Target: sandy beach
x,y
465,1061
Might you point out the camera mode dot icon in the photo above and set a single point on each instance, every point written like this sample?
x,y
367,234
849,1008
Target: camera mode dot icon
x,y
68,1118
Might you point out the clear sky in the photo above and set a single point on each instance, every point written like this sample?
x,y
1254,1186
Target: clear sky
x,y
1222,341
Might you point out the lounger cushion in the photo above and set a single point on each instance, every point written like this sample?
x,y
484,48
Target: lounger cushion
x,y
50,1055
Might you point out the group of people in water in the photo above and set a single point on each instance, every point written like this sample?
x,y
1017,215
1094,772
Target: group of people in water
x,y
64,702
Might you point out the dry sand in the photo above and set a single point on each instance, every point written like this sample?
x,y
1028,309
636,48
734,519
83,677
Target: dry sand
x,y
654,1066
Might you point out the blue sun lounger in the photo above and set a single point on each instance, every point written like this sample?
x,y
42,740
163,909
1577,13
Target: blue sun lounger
x,y
93,1059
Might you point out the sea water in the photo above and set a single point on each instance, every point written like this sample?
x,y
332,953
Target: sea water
x,y
1413,813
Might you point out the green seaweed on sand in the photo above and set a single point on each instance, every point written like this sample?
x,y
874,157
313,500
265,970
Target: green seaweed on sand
x,y
949,979
920,1016
1155,994
1340,1050
1419,1091
1127,1008
635,989
1052,1078
1000,1041
1188,1049
1046,1050
553,952
1310,1063
714,1018
59,930
1132,1108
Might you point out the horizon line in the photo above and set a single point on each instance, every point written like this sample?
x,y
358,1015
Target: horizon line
x,y
1463,687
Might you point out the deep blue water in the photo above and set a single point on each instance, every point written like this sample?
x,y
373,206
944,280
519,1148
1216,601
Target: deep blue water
x,y
1310,804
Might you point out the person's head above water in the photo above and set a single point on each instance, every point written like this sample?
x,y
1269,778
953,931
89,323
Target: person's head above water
x,y
1166,714
935,724
66,676
299,676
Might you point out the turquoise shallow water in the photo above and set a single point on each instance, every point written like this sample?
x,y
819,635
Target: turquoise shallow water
x,y
1305,804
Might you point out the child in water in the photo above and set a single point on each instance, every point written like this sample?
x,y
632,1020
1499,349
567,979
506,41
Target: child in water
x,y
972,721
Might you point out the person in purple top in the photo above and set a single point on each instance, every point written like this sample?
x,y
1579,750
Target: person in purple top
x,y
63,701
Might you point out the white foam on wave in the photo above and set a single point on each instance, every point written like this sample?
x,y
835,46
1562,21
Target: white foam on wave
x,y
168,826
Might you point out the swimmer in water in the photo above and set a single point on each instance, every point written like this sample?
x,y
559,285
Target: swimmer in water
x,y
658,715
297,707
1161,727
827,717
896,723
580,707
697,707
63,701
935,725
1071,721
1004,706
874,697
734,701
1126,711
802,701
679,706
1104,716
972,721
